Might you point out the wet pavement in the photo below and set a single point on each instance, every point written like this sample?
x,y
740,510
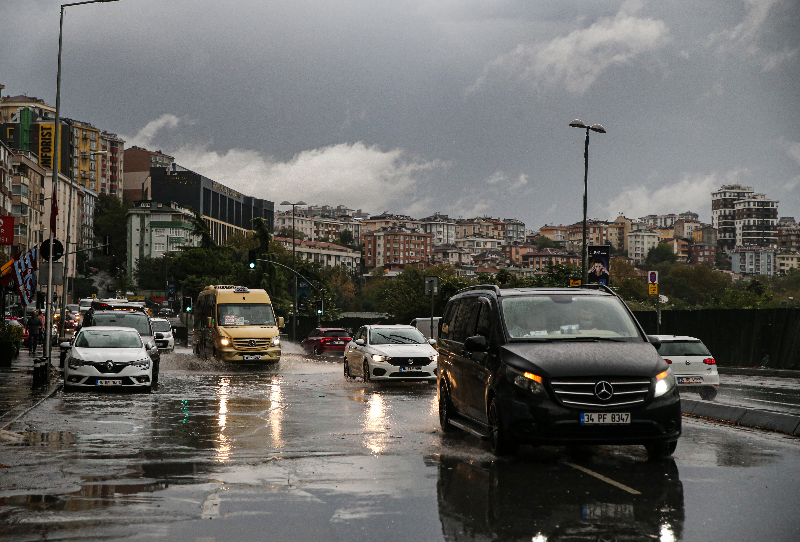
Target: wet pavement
x,y
296,452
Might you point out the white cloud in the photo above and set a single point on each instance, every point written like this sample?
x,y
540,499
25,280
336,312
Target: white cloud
x,y
691,193
145,136
356,175
792,148
744,37
576,60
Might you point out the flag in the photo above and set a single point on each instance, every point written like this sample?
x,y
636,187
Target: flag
x,y
25,276
53,210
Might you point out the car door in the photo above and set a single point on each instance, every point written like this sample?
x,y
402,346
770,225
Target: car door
x,y
459,363
308,342
476,364
354,353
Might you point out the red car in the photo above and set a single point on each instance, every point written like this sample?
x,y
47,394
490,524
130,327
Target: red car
x,y
326,340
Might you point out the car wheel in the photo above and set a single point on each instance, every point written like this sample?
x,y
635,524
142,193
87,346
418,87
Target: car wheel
x,y
365,373
708,393
445,408
499,441
346,369
660,450
316,350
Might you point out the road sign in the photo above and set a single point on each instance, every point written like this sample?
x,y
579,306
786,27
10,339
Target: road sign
x,y
652,277
58,251
431,285
654,289
574,282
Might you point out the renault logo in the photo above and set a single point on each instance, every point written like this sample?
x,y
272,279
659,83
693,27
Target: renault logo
x,y
688,362
603,390
109,365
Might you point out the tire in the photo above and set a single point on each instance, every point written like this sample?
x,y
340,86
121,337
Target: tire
x,y
445,408
661,450
365,374
708,393
499,441
347,370
156,367
316,350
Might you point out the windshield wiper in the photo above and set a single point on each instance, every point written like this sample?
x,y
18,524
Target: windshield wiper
x,y
593,339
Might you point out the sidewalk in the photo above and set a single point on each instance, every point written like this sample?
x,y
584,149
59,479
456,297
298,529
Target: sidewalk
x,y
17,395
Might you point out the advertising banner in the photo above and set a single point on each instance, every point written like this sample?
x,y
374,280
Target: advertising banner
x,y
6,230
599,266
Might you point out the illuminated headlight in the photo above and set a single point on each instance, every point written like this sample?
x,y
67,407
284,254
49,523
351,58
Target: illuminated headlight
x,y
376,357
74,363
665,381
527,381
433,358
224,341
276,341
141,363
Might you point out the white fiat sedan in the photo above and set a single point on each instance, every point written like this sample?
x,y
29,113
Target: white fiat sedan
x,y
390,352
103,357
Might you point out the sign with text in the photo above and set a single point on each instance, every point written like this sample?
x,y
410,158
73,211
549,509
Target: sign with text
x,y
599,257
653,289
6,230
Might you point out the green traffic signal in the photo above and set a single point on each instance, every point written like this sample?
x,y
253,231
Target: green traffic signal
x,y
251,259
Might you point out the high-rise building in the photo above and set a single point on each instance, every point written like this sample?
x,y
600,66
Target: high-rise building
x,y
723,212
756,220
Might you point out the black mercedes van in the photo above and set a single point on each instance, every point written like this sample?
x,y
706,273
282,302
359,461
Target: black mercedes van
x,y
553,366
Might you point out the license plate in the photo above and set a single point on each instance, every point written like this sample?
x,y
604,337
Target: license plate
x,y
690,380
338,342
410,369
250,358
109,382
606,418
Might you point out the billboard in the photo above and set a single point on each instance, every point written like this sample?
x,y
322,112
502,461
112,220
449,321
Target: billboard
x,y
6,230
599,264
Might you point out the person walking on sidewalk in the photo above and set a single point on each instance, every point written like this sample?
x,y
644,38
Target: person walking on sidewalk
x,y
34,325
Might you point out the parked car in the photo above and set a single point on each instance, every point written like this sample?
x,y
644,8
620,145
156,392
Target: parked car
x,y
326,340
693,365
101,357
162,329
424,326
553,366
390,352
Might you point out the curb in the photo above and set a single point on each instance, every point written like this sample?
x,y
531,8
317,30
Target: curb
x,y
759,419
757,371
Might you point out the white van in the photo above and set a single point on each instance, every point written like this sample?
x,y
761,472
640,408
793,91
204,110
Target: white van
x,y
424,326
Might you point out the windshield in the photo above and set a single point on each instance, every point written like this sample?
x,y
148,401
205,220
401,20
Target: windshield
x,y
684,348
108,339
567,317
396,336
245,314
136,320
161,325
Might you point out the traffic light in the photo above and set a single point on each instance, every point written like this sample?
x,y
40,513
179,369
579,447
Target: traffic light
x,y
251,259
187,304
317,306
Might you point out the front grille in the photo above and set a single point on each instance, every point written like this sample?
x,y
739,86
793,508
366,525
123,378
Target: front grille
x,y
104,368
409,362
409,374
254,345
580,392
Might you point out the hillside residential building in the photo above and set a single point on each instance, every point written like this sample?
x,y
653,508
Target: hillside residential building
x,y
789,237
482,227
756,221
326,254
640,243
787,262
318,228
441,227
546,257
559,234
515,231
513,253
667,221
136,165
754,260
476,245
396,246
680,247
705,235
155,228
723,212
685,228
451,254
702,253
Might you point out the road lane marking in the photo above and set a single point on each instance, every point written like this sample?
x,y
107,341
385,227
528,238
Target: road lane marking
x,y
603,478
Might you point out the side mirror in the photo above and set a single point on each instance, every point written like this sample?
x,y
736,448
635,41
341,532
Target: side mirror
x,y
655,341
432,342
476,344
280,321
65,345
360,342
159,335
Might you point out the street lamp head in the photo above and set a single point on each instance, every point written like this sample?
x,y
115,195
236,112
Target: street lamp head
x,y
284,202
577,123
597,128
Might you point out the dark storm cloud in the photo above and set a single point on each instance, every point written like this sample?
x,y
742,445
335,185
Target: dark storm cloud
x,y
419,106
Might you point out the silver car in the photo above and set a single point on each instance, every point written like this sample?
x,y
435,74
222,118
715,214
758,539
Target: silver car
x,y
390,352
692,364
103,357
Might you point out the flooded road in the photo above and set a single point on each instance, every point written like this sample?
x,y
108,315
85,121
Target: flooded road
x,y
296,452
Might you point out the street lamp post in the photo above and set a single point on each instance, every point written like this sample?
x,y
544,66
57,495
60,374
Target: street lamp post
x,y
56,165
599,129
294,268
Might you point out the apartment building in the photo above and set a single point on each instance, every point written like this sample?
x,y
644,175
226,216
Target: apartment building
x,y
640,243
542,259
452,254
318,228
327,254
787,261
441,227
754,260
702,253
389,246
482,227
723,212
476,245
27,200
705,235
513,253
756,221
515,231
559,234
136,167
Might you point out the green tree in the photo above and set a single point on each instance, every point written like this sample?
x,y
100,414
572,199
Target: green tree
x,y
290,233
659,254
201,228
346,238
110,221
543,242
404,299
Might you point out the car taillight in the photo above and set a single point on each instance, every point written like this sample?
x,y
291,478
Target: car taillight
x,y
325,340
710,361
668,361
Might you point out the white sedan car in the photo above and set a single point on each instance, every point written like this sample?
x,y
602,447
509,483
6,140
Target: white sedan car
x,y
692,364
390,352
103,357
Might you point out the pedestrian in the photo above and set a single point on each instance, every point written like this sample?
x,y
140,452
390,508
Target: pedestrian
x,y
34,325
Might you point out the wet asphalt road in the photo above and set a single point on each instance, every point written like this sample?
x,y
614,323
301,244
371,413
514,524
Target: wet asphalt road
x,y
297,453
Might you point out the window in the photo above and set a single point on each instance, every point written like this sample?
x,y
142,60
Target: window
x,y
158,231
158,247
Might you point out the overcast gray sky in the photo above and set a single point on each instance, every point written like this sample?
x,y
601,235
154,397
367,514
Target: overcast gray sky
x,y
457,106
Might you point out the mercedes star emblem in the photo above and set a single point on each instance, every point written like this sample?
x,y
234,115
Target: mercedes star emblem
x,y
252,342
603,390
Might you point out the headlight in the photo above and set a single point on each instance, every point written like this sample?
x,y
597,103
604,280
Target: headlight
x,y
224,341
376,357
665,381
276,341
433,358
527,381
141,363
74,363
